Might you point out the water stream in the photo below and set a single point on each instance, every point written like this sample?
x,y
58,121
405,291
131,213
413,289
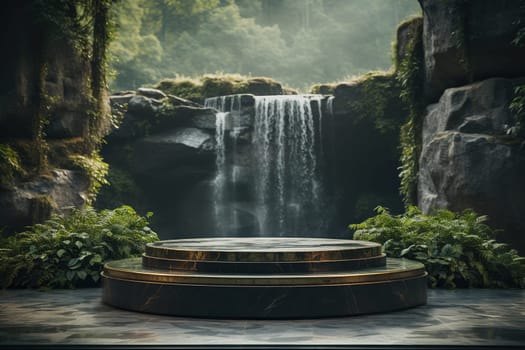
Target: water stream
x,y
285,160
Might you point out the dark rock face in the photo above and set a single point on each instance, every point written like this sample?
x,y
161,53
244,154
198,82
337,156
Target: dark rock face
x,y
44,76
468,161
362,147
31,202
63,86
405,34
166,145
467,41
159,155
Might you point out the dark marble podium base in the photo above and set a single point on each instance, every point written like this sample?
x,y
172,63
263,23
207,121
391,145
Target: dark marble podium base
x,y
264,278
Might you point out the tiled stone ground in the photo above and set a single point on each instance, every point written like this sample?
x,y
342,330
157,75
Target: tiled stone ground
x,y
458,317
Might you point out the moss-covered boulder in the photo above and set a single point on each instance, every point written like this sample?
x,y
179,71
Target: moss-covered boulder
x,y
212,85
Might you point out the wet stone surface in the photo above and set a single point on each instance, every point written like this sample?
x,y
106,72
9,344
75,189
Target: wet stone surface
x,y
263,249
458,317
265,244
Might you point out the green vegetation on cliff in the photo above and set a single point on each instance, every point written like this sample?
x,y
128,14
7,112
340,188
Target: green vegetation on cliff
x,y
410,70
55,90
10,165
210,85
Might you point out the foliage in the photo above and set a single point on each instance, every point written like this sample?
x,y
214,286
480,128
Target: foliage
x,y
10,165
517,107
410,76
519,38
96,170
458,250
135,56
282,39
103,29
70,252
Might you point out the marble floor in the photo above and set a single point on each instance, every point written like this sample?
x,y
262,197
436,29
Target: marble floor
x,y
472,317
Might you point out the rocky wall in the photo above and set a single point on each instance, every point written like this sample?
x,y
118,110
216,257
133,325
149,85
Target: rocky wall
x,y
469,160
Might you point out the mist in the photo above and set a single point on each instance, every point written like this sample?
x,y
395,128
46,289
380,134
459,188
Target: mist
x,y
297,42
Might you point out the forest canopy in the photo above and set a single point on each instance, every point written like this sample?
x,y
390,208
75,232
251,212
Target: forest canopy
x,y
298,42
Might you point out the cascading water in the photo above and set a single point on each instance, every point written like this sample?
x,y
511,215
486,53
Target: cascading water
x,y
285,155
330,105
226,175
287,144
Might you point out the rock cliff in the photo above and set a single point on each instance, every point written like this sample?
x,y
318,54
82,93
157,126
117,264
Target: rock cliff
x,y
471,156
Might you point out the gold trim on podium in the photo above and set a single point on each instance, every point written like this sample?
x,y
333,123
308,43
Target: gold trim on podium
x,y
396,269
263,249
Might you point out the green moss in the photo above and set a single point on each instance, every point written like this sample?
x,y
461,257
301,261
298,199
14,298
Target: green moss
x,y
409,74
375,96
41,119
289,91
95,169
323,88
415,22
25,148
211,85
10,165
190,89
60,151
379,91
41,208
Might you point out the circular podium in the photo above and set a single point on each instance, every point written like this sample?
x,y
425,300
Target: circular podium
x,y
265,278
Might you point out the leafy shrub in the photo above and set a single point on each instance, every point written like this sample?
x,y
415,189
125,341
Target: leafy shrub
x,y
458,250
70,252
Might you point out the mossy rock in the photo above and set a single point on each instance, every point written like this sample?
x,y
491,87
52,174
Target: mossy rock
x,y
187,88
406,32
60,150
211,85
10,165
41,208
373,96
323,88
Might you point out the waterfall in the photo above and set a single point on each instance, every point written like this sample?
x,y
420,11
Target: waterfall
x,y
330,105
224,183
283,157
219,183
288,181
